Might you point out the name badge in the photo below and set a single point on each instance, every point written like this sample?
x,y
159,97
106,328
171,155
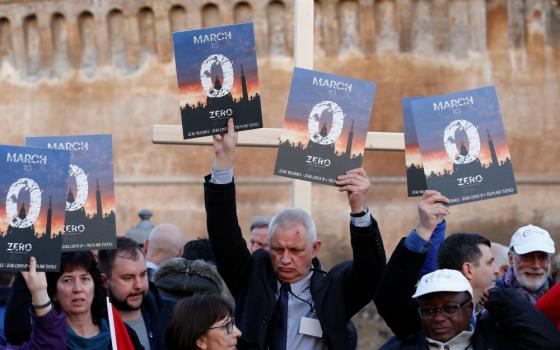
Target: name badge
x,y
310,326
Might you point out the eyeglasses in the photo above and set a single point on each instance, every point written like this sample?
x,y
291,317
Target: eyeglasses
x,y
448,310
228,325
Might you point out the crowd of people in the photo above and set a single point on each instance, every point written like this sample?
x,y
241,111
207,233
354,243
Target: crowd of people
x,y
437,291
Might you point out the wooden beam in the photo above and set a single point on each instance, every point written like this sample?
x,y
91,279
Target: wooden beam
x,y
303,57
270,137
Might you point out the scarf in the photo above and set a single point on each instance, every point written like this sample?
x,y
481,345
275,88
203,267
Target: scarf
x,y
511,282
101,341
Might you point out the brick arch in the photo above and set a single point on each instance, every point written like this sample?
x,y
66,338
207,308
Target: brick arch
x,y
88,55
147,32
59,33
276,17
210,14
117,38
242,12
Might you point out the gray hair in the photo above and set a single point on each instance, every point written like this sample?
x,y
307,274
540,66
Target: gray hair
x,y
259,222
500,253
288,218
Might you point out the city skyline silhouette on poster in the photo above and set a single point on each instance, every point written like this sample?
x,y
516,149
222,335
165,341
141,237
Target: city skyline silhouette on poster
x,y
90,198
217,76
463,145
325,126
33,184
415,177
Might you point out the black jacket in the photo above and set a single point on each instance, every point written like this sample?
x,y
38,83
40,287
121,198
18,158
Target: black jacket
x,y
393,298
511,322
337,294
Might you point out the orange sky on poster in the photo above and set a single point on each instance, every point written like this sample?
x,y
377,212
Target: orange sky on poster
x,y
439,161
107,204
413,155
193,93
39,225
57,221
296,131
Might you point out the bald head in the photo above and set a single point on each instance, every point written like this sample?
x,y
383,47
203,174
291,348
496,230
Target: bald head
x,y
500,253
165,242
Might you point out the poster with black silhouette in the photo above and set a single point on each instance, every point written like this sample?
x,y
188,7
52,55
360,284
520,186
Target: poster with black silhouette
x,y
218,79
463,145
90,197
33,184
325,126
415,178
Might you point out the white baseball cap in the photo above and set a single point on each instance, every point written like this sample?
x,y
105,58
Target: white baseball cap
x,y
444,280
531,238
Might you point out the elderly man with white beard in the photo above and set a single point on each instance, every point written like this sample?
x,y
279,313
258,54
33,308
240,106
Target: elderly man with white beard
x,y
530,253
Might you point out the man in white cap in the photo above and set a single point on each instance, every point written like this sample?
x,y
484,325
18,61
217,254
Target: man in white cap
x,y
445,305
415,255
530,252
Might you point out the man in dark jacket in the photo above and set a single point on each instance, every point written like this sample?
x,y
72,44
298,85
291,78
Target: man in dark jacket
x,y
140,306
283,298
445,299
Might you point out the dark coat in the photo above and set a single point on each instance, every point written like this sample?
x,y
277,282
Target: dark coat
x,y
394,296
156,312
511,322
337,294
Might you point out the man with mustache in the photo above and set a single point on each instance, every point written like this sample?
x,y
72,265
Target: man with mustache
x,y
126,277
530,252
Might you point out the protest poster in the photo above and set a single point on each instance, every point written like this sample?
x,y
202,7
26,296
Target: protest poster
x,y
415,178
325,126
33,184
90,199
218,79
463,145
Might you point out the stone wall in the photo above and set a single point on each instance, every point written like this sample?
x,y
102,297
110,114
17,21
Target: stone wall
x,y
106,66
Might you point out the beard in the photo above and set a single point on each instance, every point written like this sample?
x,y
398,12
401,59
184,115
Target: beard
x,y
123,305
533,284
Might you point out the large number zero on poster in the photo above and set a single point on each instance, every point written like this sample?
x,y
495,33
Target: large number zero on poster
x,y
30,186
206,75
314,125
81,188
451,144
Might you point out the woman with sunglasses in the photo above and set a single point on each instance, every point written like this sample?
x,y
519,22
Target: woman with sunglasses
x,y
202,322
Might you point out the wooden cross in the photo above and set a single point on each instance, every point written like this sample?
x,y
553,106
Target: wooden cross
x,y
270,137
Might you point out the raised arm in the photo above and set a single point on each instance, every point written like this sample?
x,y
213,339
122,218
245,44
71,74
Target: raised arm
x,y
394,296
363,275
230,249
49,328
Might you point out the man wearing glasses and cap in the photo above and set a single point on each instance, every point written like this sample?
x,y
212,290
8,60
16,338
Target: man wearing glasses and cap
x,y
530,252
445,307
